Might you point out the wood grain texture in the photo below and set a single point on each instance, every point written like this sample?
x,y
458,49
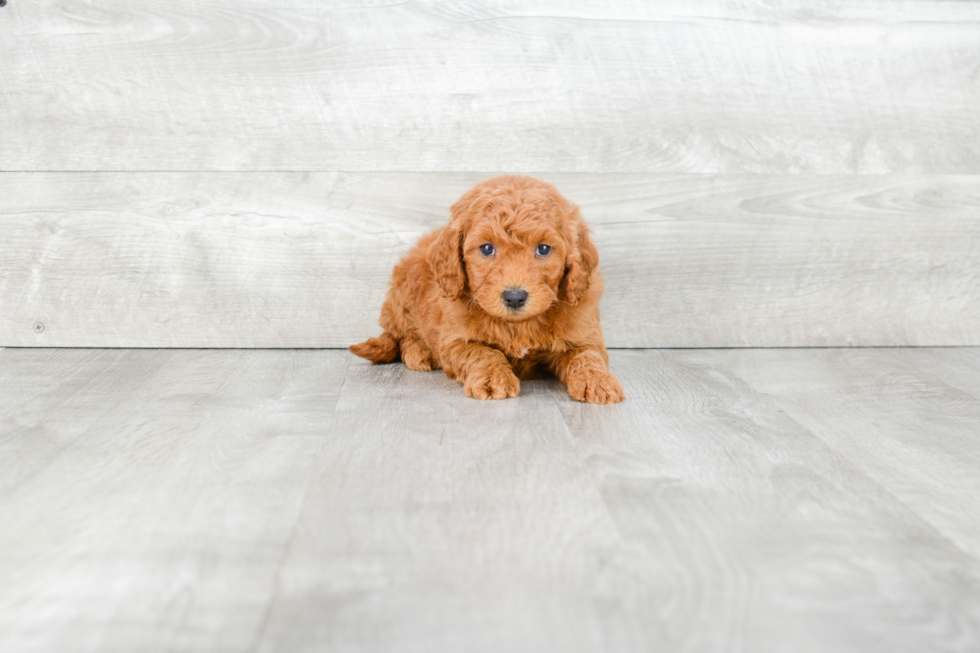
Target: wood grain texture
x,y
307,501
463,525
51,400
303,259
719,86
869,405
702,473
161,522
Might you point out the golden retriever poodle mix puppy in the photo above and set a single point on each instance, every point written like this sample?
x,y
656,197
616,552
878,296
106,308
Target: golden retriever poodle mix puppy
x,y
508,290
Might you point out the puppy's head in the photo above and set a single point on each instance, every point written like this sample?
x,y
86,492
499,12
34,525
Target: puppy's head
x,y
517,246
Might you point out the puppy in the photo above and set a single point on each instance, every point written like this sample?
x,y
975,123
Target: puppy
x,y
508,290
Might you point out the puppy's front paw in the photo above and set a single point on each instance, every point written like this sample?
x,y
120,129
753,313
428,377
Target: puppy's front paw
x,y
496,382
596,387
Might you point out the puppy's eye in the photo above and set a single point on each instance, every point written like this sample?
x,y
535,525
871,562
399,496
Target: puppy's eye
x,y
544,250
486,250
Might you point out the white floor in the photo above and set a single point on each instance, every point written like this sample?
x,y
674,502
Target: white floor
x,y
303,500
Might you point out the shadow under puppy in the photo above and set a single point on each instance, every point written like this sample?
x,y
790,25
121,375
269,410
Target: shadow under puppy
x,y
508,289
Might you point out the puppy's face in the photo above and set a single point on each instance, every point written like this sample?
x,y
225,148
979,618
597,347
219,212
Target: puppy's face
x,y
517,245
515,260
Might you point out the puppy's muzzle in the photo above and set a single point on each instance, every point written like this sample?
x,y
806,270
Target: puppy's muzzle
x,y
514,298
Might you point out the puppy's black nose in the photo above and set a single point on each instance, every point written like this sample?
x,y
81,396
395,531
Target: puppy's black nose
x,y
514,297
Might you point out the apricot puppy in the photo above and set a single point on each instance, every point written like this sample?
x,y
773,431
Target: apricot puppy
x,y
507,290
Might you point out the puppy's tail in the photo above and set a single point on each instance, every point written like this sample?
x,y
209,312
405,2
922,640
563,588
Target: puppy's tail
x,y
383,349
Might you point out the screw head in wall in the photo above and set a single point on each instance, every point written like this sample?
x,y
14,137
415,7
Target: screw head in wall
x,y
38,327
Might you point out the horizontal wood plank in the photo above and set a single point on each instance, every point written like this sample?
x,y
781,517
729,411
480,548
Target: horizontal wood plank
x,y
303,259
719,86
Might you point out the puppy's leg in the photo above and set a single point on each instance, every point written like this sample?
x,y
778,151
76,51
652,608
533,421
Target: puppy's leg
x,y
416,354
483,371
585,371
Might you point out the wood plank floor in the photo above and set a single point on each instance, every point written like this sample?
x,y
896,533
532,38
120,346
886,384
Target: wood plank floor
x,y
303,500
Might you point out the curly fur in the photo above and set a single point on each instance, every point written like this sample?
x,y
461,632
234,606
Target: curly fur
x,y
445,308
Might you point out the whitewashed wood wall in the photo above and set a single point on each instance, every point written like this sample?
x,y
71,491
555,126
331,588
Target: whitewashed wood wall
x,y
245,174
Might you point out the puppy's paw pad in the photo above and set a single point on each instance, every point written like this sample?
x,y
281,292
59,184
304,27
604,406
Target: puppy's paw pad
x,y
596,387
495,383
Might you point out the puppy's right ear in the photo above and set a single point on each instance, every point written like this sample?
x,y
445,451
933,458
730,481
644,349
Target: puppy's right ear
x,y
445,257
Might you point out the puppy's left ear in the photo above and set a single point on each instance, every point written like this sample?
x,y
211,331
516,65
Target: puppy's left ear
x,y
582,259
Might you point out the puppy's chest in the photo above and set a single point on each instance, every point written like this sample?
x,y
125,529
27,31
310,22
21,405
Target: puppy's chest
x,y
521,346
